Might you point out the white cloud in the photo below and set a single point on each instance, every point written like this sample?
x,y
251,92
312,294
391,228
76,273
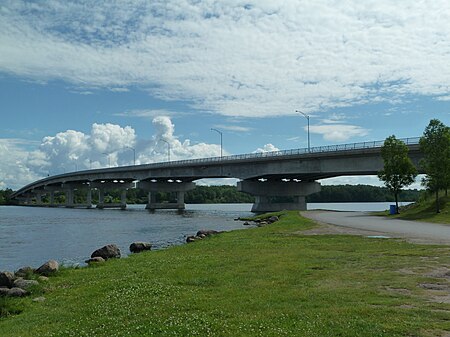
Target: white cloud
x,y
147,113
267,148
14,172
235,58
235,128
338,132
106,145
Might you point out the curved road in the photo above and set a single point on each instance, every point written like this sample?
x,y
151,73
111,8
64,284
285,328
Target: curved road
x,y
423,232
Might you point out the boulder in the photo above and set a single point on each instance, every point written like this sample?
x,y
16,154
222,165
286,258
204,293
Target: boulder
x,y
107,252
137,247
272,219
16,292
96,259
48,268
6,279
4,291
190,239
24,272
24,284
207,232
246,223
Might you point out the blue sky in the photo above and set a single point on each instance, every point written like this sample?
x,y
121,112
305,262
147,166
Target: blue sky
x,y
82,82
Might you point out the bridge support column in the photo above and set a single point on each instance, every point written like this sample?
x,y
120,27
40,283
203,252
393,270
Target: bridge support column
x,y
51,199
265,191
69,197
102,187
89,198
153,187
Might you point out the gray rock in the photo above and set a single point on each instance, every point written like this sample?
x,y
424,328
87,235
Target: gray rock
x,y
6,279
107,252
24,272
207,232
39,299
137,247
4,291
96,259
246,223
48,268
24,284
16,292
190,239
272,219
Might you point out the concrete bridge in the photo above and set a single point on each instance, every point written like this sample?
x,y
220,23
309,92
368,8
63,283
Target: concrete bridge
x,y
288,173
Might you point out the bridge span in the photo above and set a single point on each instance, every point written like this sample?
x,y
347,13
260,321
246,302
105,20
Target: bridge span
x,y
287,173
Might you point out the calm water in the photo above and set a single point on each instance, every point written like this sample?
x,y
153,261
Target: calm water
x,y
33,235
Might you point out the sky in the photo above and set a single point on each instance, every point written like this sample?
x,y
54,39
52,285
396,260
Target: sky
x,y
91,84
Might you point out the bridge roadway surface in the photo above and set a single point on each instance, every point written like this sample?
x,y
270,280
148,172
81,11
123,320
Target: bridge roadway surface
x,y
415,231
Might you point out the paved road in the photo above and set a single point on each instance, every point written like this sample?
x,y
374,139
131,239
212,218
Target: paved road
x,y
416,231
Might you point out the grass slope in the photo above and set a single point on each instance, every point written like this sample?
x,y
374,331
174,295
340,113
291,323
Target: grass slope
x,y
425,210
268,281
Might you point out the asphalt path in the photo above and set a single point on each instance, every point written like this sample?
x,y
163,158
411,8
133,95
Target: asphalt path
x,y
423,232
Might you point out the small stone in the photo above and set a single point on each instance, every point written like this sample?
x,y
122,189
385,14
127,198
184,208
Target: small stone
x,y
39,299
48,268
201,236
25,284
6,279
107,252
24,272
16,292
246,223
43,278
137,247
96,259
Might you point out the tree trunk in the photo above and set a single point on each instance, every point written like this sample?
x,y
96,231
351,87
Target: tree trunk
x,y
396,203
437,200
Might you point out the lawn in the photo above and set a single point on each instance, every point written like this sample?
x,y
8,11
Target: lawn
x,y
265,281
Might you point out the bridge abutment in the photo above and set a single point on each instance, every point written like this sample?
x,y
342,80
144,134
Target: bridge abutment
x,y
266,191
180,188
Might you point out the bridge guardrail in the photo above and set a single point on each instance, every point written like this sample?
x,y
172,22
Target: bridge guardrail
x,y
316,149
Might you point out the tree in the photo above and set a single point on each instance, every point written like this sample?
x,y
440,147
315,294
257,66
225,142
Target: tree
x,y
398,170
435,146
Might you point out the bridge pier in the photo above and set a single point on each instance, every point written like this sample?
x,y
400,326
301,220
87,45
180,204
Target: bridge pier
x,y
265,191
161,186
108,185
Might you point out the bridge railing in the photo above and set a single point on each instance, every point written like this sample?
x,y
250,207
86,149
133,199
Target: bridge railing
x,y
316,149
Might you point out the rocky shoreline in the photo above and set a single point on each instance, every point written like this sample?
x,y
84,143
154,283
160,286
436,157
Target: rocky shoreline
x,y
23,281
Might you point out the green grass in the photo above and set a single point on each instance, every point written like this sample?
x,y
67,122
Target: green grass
x,y
425,210
267,281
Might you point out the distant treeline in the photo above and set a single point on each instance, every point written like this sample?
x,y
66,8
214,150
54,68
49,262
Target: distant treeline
x,y
359,193
230,194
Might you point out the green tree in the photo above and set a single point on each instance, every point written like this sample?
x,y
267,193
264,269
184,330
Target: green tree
x,y
435,145
398,170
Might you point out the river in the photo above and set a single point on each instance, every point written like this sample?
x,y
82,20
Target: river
x,y
33,235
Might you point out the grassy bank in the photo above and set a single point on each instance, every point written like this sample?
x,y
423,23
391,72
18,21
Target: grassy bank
x,y
425,210
268,281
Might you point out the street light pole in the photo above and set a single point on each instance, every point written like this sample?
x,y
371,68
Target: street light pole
x,y
168,148
134,154
221,142
109,158
307,117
